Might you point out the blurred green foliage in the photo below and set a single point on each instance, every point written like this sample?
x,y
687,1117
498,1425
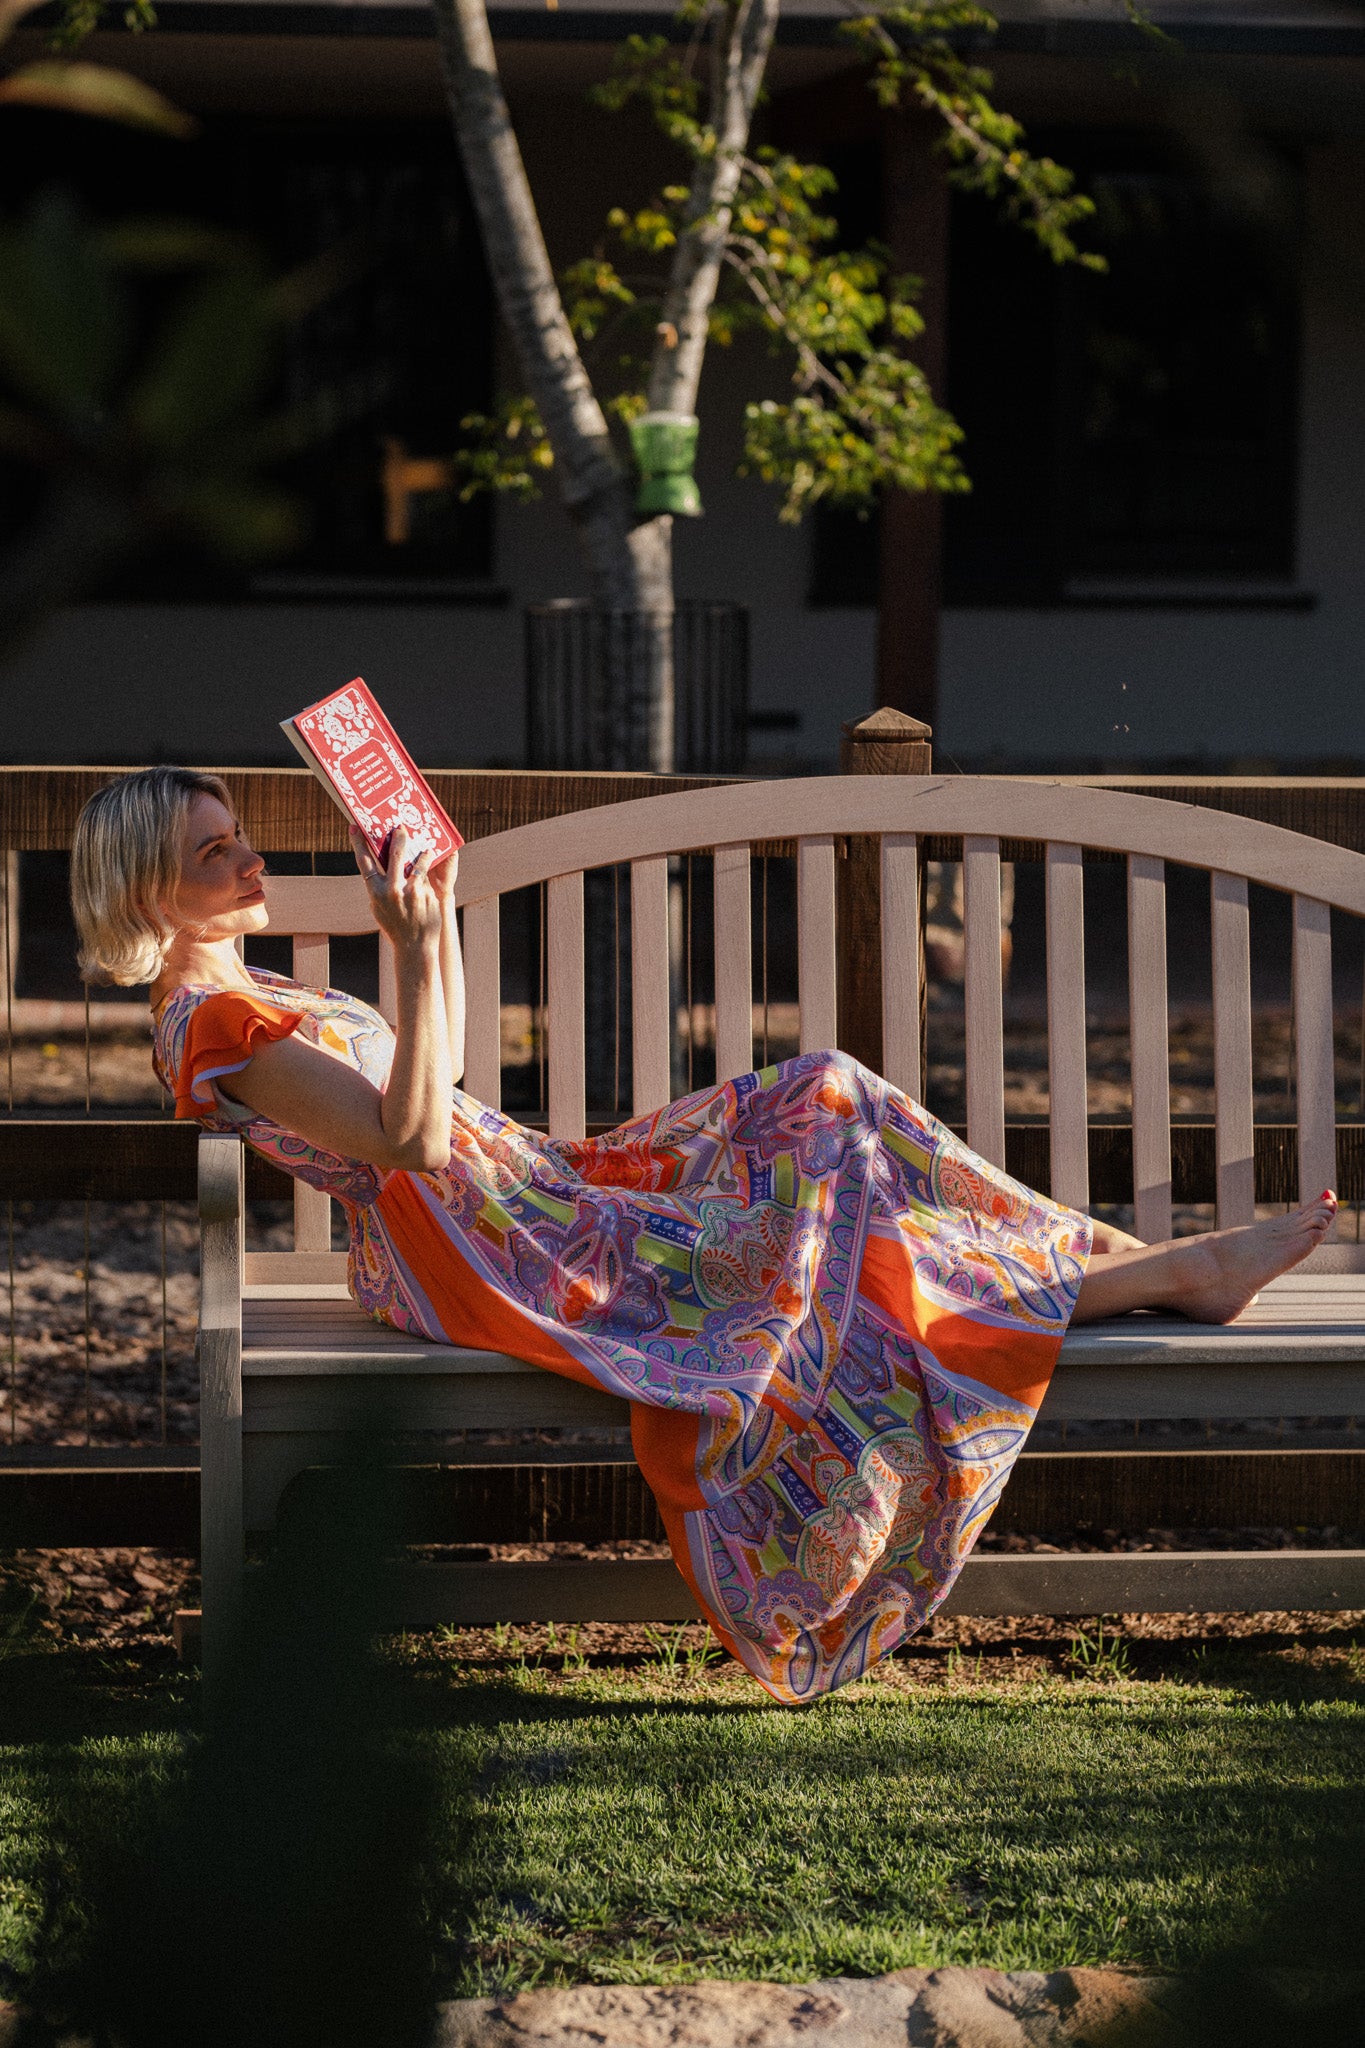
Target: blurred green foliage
x,y
137,364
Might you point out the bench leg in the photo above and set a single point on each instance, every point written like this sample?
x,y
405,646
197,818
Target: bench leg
x,y
220,1406
222,1559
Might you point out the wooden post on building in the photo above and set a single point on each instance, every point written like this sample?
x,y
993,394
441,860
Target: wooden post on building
x,y
915,227
887,743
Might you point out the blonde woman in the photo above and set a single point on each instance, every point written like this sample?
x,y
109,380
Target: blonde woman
x,y
834,1323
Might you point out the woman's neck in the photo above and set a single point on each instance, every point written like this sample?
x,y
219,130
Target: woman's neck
x,y
211,963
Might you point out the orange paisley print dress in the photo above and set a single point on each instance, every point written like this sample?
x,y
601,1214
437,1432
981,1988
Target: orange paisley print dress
x,y
834,1322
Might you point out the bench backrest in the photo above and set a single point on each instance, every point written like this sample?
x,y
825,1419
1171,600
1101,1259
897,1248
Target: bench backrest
x,y
1059,820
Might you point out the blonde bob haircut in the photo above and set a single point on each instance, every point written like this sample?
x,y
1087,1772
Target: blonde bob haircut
x,y
125,866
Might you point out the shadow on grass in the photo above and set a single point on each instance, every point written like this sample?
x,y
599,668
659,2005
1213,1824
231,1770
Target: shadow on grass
x,y
283,1880
265,1884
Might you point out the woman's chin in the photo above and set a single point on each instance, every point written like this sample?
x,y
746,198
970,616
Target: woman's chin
x,y
235,924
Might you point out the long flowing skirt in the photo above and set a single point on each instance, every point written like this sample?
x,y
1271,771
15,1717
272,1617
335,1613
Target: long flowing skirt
x,y
833,1321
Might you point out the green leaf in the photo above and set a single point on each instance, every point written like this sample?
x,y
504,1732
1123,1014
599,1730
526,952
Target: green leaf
x,y
209,361
507,454
12,13
163,246
78,18
96,90
63,319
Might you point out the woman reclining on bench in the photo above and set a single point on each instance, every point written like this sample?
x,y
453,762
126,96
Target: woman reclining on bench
x,y
834,1323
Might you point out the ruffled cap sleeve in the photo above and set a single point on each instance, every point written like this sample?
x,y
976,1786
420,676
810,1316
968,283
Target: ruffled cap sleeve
x,y
221,1034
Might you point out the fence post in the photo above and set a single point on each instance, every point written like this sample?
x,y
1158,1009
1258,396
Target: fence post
x,y
887,743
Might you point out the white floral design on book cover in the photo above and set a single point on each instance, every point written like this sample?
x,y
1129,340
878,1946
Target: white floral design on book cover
x,y
374,779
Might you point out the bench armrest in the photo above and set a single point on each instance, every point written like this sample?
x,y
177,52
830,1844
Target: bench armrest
x,y
221,1203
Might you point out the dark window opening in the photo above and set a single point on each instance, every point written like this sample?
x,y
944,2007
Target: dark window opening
x,y
390,362
1134,427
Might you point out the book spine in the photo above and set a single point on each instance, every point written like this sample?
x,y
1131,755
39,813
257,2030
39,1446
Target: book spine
x,y
311,761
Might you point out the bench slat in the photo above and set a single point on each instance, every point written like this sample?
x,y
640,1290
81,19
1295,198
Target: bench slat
x,y
815,946
649,1041
312,959
1150,1049
388,981
295,1399
339,904
312,1208
1314,1060
564,977
984,998
1234,1137
900,963
734,963
1068,1105
1161,1582
312,1218
483,1001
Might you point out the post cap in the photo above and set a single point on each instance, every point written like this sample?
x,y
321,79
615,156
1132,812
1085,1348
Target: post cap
x,y
886,724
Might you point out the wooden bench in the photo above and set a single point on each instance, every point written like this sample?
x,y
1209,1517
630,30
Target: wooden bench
x,y
289,1364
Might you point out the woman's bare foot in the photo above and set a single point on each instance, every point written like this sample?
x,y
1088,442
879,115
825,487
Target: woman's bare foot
x,y
1211,1279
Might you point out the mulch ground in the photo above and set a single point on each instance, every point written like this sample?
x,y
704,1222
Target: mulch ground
x,y
125,1601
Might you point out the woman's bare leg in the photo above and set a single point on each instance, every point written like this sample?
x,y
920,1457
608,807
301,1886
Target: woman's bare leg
x,y
1108,1238
1210,1278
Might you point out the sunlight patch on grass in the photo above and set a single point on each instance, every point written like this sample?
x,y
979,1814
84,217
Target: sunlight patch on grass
x,y
641,1831
664,1821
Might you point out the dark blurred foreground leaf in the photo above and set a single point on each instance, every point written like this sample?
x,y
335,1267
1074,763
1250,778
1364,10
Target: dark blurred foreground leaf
x,y
275,1891
95,89
140,361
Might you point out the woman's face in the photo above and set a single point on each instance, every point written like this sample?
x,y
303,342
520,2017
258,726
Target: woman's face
x,y
219,894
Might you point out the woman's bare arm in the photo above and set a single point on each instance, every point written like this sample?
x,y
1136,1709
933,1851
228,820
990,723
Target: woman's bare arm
x,y
407,1123
452,961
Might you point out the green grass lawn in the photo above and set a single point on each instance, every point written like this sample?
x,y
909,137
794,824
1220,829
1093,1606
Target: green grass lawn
x,y
653,1820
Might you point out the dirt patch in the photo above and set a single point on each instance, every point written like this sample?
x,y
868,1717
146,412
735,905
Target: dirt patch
x,y
108,1597
124,1599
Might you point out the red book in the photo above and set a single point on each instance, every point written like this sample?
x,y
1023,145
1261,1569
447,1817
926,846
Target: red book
x,y
365,768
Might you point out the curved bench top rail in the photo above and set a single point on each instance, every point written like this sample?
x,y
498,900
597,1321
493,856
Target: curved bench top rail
x,y
948,805
951,806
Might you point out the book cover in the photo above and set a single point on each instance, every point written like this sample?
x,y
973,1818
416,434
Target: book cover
x,y
367,771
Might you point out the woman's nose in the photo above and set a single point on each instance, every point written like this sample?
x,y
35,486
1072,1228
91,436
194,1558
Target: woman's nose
x,y
254,862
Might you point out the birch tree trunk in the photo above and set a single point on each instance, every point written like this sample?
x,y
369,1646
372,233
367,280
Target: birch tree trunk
x,y
629,561
739,58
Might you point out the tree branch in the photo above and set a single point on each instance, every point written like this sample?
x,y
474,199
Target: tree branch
x,y
755,269
740,58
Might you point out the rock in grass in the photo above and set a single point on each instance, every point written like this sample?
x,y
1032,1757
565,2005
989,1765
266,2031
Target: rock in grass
x,y
955,2008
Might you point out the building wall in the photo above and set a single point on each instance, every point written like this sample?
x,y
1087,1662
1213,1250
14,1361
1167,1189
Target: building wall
x,y
122,683
1268,686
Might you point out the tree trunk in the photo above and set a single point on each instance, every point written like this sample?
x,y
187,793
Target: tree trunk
x,y
910,575
629,563
636,643
739,58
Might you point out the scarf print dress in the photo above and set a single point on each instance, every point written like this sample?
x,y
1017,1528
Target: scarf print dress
x,y
834,1322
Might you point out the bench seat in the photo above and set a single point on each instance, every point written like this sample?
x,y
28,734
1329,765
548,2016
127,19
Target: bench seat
x,y
1307,1326
1302,1315
314,1365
